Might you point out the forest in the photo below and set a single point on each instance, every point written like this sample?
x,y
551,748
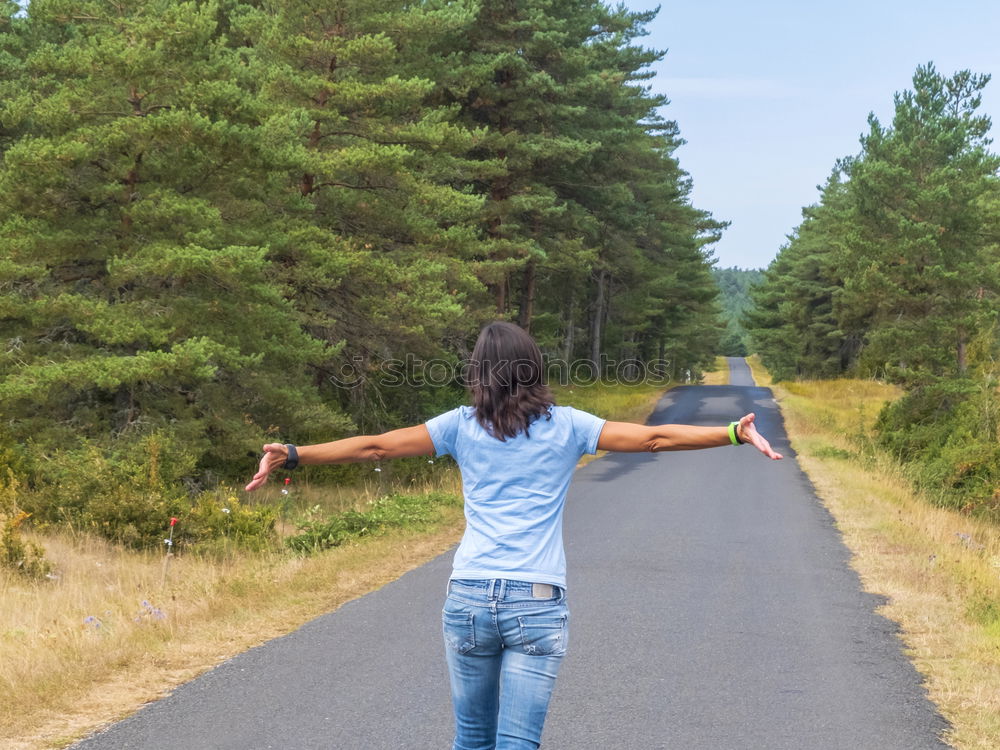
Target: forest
x,y
221,221
894,275
734,297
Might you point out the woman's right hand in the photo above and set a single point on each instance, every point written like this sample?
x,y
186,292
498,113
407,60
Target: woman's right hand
x,y
747,432
275,454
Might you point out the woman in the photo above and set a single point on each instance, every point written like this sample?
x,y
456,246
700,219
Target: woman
x,y
505,616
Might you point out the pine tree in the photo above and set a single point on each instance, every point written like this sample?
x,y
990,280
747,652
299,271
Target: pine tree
x,y
518,74
798,324
680,296
376,228
136,295
590,191
14,43
211,210
734,296
918,258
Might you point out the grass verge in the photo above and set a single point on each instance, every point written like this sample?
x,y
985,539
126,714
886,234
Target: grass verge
x,y
110,635
938,568
622,403
719,374
112,632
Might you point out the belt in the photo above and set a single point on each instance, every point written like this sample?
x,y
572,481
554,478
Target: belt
x,y
538,590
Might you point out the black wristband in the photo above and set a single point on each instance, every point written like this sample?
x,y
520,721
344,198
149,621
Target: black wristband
x,y
293,457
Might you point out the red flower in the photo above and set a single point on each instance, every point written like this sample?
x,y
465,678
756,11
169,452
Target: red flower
x,y
173,521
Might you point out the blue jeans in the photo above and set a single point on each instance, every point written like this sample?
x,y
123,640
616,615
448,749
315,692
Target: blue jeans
x,y
504,646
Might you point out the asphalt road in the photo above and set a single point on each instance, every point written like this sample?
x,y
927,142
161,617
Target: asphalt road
x,y
712,604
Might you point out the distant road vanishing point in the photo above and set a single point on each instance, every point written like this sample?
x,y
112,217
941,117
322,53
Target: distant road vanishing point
x,y
713,608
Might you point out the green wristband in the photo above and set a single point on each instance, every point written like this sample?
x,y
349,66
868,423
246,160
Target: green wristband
x,y
733,437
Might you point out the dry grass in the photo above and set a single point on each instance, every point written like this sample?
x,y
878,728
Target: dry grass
x,y
939,569
63,675
718,375
760,375
117,628
623,403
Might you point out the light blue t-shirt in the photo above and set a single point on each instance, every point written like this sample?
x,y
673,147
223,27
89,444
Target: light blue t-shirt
x,y
515,491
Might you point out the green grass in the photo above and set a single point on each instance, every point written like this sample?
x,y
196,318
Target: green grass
x,y
622,403
389,512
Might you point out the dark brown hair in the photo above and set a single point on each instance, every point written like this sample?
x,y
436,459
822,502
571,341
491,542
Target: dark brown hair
x,y
507,381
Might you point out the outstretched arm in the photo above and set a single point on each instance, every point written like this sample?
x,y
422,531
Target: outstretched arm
x,y
626,437
408,441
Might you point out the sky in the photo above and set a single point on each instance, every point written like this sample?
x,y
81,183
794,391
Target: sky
x,y
769,94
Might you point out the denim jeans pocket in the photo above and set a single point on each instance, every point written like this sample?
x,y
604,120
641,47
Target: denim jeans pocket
x,y
459,632
543,635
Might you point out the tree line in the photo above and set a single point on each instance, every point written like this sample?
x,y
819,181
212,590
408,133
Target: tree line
x,y
734,295
210,210
895,274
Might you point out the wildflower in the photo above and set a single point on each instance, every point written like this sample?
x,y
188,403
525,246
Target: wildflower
x,y
225,510
94,622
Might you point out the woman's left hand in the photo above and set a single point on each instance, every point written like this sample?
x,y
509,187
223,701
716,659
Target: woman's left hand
x,y
275,454
747,432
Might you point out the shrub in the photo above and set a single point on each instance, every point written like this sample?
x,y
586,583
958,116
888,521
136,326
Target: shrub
x,y
220,516
947,434
123,492
920,421
25,558
128,494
